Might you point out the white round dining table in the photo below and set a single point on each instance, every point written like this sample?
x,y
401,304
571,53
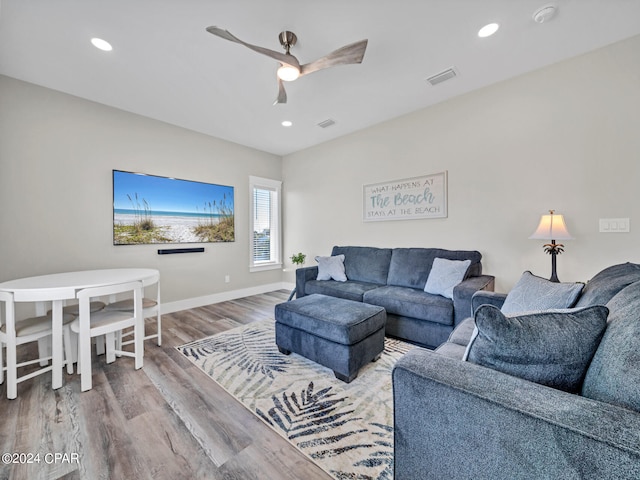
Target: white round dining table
x,y
58,287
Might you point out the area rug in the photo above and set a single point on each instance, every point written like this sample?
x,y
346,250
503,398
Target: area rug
x,y
346,429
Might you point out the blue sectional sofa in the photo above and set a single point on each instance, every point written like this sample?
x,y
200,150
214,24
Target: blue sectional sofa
x,y
458,419
394,278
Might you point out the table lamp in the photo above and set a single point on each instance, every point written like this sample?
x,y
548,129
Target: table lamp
x,y
552,227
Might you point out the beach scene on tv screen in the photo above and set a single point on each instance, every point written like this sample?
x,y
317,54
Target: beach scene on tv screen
x,y
153,209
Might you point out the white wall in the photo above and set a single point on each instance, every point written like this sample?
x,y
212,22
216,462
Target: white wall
x,y
57,153
566,137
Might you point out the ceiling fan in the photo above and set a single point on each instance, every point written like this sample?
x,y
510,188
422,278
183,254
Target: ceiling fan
x,y
290,69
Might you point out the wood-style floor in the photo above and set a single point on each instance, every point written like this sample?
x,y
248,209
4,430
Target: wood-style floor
x,y
165,421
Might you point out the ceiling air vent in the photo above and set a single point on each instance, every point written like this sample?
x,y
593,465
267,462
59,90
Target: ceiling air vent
x,y
327,123
442,76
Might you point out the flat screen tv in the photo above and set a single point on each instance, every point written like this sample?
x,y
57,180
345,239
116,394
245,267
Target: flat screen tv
x,y
151,209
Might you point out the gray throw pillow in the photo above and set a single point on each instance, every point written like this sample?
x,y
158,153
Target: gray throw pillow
x,y
532,293
331,268
552,348
444,275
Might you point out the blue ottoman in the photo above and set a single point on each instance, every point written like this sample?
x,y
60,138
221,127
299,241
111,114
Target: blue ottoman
x,y
340,334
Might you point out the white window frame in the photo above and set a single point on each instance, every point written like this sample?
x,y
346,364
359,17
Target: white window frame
x,y
275,229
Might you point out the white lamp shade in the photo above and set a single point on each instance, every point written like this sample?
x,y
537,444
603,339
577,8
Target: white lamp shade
x,y
288,73
551,227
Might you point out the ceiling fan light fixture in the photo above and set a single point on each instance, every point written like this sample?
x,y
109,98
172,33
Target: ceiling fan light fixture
x,y
290,68
288,73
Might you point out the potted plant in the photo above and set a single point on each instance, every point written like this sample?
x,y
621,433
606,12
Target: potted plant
x,y
298,258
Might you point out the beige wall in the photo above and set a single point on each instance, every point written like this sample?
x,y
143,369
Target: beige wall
x,y
56,156
565,137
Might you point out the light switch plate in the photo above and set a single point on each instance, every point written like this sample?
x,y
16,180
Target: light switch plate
x,y
614,225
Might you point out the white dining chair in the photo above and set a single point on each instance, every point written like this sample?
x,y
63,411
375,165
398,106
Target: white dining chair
x,y
14,333
74,308
44,344
108,323
150,306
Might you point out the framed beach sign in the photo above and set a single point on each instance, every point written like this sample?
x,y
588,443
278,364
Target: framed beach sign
x,y
407,199
151,209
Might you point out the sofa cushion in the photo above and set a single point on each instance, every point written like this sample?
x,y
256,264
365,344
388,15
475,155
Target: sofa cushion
x,y
456,344
365,264
553,348
614,373
412,302
461,335
410,267
350,290
451,350
444,275
331,268
604,286
532,293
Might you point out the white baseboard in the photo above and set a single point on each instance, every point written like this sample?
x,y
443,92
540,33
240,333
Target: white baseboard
x,y
222,297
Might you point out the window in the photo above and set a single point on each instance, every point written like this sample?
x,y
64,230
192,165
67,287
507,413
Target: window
x,y
265,224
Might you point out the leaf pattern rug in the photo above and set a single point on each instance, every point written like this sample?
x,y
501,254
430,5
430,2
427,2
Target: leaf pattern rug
x,y
346,429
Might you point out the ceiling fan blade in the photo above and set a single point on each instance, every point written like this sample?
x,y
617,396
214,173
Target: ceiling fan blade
x,y
281,57
282,94
352,53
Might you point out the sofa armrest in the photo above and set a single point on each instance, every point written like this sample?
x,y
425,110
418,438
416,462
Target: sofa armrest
x,y
303,275
463,292
483,297
455,419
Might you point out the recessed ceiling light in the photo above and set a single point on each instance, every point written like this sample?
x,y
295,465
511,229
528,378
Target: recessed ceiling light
x,y
488,30
287,123
101,44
